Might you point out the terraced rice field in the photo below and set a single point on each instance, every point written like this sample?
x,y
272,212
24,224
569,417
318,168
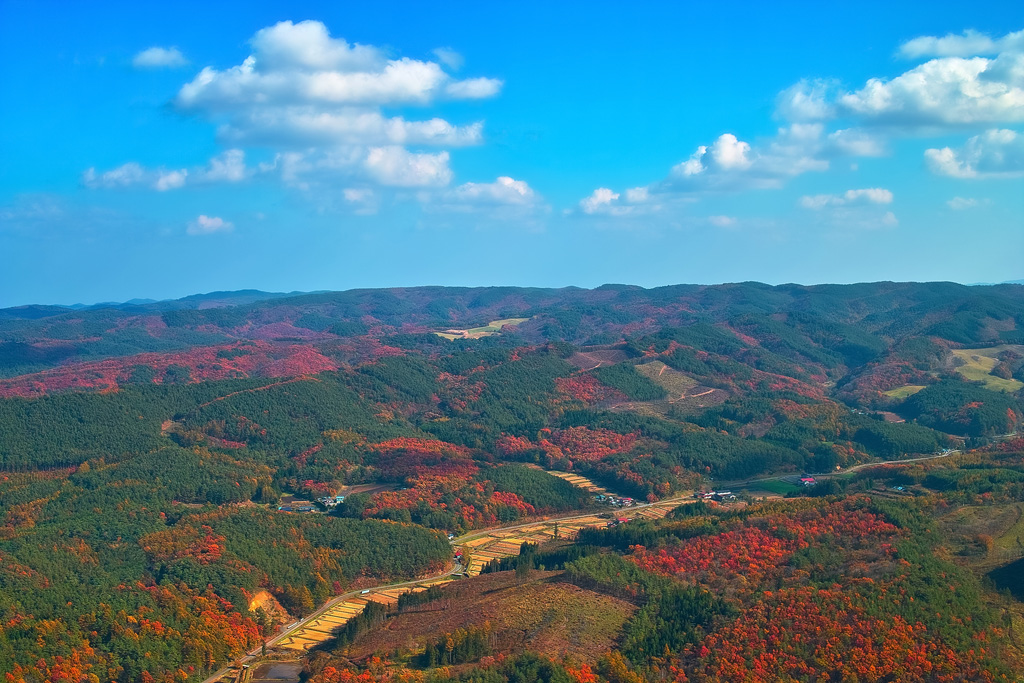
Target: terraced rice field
x,y
506,542
316,631
582,482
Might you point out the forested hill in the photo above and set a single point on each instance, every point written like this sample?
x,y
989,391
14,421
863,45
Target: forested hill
x,y
872,316
144,448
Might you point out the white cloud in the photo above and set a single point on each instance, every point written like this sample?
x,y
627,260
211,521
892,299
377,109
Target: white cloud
x,y
996,153
948,91
473,88
972,79
871,195
398,167
159,58
207,225
807,101
170,180
227,167
600,201
722,221
967,79
125,175
449,57
968,44
729,152
855,142
730,164
301,86
504,190
505,202
961,203
638,195
318,103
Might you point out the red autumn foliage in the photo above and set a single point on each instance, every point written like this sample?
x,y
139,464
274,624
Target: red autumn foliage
x,y
814,634
759,548
174,544
583,443
249,359
588,389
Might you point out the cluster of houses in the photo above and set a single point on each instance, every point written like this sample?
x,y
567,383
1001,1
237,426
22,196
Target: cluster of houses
x,y
289,504
615,501
617,521
297,506
719,496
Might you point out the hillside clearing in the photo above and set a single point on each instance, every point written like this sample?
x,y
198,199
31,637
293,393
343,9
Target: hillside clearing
x,y
482,331
979,363
544,614
901,393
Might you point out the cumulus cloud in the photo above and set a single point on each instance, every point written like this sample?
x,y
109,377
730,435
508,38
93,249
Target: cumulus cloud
x,y
227,167
504,190
807,100
601,200
398,167
170,180
961,203
207,225
159,58
730,164
871,195
968,79
326,109
854,142
949,91
996,153
125,175
133,174
967,44
300,85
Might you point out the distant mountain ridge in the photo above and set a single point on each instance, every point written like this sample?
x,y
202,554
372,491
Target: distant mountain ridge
x,y
820,328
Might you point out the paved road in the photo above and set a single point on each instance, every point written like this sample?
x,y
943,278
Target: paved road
x,y
854,468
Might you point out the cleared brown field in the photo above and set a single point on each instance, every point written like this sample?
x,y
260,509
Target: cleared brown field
x,y
544,615
588,360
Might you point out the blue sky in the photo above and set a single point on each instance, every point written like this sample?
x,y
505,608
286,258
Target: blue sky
x,y
162,150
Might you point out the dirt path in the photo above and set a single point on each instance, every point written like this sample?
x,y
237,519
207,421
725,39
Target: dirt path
x,y
268,386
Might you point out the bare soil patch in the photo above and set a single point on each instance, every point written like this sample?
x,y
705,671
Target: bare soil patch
x,y
543,614
589,360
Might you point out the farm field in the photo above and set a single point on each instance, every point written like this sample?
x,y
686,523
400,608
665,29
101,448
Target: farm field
x,y
317,630
979,363
901,393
